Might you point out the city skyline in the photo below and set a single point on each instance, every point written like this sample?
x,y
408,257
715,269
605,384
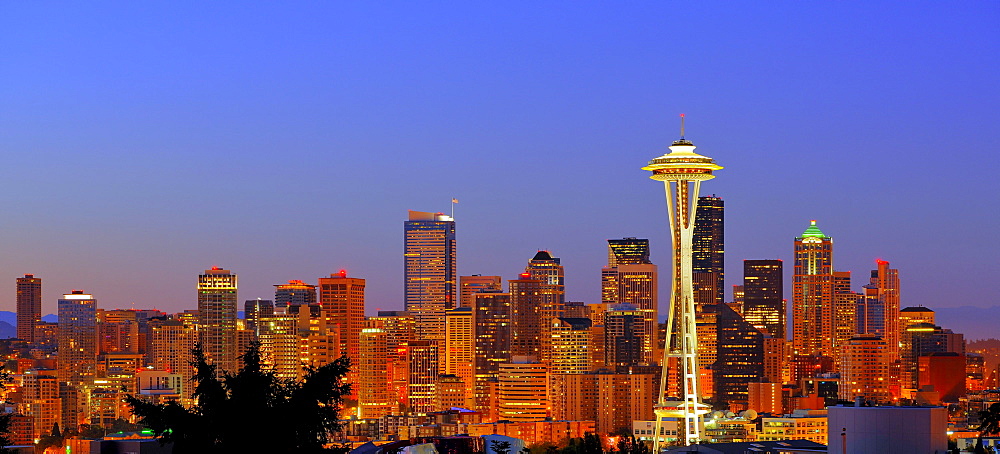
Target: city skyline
x,y
104,184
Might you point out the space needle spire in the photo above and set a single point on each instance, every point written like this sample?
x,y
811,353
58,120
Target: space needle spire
x,y
681,171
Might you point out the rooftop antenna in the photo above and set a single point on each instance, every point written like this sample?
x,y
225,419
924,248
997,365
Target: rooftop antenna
x,y
682,126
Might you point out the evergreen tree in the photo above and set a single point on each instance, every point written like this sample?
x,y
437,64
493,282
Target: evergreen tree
x,y
252,410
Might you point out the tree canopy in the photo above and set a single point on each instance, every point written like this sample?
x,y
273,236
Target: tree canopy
x,y
251,410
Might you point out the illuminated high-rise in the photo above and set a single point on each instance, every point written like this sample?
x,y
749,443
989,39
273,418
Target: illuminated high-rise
x,y
294,293
708,251
29,306
343,301
429,264
763,296
217,313
77,337
460,348
682,172
813,295
77,352
630,278
470,285
374,372
492,325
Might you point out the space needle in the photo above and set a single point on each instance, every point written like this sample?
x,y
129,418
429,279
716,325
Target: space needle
x,y
681,171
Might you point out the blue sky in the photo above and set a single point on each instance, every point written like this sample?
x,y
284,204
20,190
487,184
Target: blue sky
x,y
144,142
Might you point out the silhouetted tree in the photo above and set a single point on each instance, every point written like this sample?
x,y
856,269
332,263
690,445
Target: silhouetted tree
x,y
252,410
630,445
989,424
500,447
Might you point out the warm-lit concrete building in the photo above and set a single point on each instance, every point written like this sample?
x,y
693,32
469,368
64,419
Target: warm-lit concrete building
x,y
492,325
625,334
29,306
171,342
477,283
638,286
342,300
460,347
422,359
523,390
41,402
217,313
946,372
570,339
429,264
374,398
294,293
765,398
611,399
77,338
864,369
279,345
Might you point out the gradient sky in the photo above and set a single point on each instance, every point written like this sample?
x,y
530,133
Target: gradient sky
x,y
143,142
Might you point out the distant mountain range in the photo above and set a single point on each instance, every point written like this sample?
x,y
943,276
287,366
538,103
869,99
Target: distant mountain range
x,y
974,322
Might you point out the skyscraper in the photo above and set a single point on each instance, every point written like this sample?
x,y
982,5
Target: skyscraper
x,y
682,172
492,327
459,349
77,352
429,256
708,251
740,358
342,300
470,285
77,337
630,278
29,306
813,290
217,313
763,296
294,293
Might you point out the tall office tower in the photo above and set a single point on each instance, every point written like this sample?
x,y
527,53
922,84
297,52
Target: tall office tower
x,y
170,345
77,337
29,306
682,172
740,358
775,359
343,301
279,345
117,331
399,332
845,309
526,303
882,293
552,290
492,325
708,251
523,390
41,401
294,293
625,251
318,338
763,296
625,334
470,285
217,313
630,278
460,348
638,286
77,352
812,288
374,397
864,367
254,310
429,254
423,362
570,345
